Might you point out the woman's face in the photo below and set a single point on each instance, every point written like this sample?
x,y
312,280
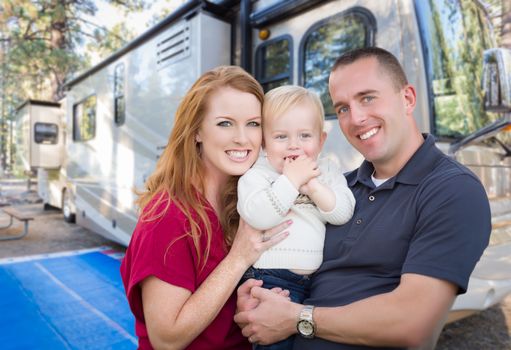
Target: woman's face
x,y
230,133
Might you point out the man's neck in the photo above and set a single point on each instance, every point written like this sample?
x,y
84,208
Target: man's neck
x,y
389,168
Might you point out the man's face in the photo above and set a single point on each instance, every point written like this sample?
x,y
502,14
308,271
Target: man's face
x,y
374,116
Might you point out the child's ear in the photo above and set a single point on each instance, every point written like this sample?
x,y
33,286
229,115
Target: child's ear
x,y
323,138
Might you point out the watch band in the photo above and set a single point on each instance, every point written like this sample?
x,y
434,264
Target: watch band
x,y
305,326
306,313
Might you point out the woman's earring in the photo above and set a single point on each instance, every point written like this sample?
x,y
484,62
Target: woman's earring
x,y
198,144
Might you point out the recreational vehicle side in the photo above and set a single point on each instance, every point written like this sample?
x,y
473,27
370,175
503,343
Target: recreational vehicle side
x,y
40,135
119,113
119,118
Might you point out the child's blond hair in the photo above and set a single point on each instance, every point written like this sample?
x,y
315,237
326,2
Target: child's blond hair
x,y
278,100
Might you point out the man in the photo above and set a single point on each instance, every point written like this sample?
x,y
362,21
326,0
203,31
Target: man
x,y
422,221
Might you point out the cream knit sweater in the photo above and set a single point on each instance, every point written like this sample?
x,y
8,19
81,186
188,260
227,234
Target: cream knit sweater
x,y
267,198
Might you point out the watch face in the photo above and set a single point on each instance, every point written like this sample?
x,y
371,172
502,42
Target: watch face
x,y
305,328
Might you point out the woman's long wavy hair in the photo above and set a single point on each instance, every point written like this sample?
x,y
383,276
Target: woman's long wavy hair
x,y
180,174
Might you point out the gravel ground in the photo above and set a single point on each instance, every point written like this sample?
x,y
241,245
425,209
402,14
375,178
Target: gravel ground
x,y
488,330
48,232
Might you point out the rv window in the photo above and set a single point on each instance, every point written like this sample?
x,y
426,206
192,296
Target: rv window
x,y
454,35
119,101
46,133
327,40
84,119
273,63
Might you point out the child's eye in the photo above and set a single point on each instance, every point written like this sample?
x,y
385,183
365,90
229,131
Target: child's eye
x,y
305,135
280,137
224,123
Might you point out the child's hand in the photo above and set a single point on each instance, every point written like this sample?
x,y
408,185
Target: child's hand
x,y
300,170
310,187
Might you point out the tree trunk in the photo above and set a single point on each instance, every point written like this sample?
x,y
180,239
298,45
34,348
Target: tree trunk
x,y
506,24
57,44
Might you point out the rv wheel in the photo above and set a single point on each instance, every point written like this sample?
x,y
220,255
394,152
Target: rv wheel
x,y
66,208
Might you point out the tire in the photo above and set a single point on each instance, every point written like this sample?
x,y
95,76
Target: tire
x,y
48,207
66,208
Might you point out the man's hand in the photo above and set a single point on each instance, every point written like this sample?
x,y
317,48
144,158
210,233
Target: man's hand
x,y
245,300
273,319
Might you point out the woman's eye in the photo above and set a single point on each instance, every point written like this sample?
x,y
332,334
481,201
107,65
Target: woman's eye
x,y
254,124
224,123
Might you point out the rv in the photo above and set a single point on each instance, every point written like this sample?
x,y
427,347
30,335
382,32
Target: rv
x,y
119,113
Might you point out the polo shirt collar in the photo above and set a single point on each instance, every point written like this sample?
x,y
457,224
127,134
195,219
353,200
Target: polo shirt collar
x,y
412,173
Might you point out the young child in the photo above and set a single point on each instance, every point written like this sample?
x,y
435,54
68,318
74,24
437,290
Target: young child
x,y
289,182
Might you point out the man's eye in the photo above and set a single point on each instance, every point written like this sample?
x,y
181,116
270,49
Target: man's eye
x,y
224,123
368,98
342,110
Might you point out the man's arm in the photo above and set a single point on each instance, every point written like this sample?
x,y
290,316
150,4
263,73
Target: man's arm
x,y
406,317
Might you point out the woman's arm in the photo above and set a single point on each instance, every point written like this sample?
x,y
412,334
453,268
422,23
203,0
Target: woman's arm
x,y
175,317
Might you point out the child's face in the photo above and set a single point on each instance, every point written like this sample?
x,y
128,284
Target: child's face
x,y
291,134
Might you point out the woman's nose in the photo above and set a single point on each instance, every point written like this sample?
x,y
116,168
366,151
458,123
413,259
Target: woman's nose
x,y
241,136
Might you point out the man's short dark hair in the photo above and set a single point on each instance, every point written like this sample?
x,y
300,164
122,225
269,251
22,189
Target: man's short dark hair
x,y
388,62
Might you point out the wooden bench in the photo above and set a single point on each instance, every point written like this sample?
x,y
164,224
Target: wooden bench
x,y
20,216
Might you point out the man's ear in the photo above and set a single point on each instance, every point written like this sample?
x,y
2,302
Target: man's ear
x,y
410,98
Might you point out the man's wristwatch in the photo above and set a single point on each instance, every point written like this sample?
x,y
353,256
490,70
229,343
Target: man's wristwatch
x,y
305,326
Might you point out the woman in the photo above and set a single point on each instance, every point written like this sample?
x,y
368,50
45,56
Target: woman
x,y
188,252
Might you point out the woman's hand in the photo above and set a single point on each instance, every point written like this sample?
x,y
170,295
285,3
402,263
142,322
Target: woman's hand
x,y
250,243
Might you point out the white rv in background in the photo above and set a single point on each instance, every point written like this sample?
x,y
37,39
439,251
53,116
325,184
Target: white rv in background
x,y
40,132
120,112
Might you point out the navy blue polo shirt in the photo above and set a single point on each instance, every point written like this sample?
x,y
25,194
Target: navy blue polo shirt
x,y
432,218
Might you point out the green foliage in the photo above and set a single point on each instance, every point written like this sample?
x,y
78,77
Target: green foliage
x,y
44,42
43,38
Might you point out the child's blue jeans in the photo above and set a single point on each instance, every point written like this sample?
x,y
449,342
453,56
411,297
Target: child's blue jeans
x,y
298,286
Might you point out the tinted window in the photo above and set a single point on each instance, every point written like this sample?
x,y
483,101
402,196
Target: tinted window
x,y
46,133
326,41
274,63
84,119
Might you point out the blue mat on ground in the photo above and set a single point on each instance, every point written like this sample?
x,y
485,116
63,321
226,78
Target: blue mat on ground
x,y
65,301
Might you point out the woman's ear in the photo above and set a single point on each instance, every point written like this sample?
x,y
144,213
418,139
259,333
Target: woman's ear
x,y
197,138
